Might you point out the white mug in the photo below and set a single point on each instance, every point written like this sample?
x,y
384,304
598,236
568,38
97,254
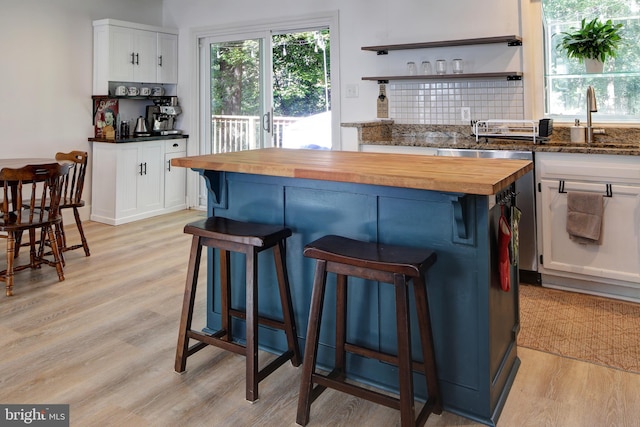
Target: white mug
x,y
157,91
133,91
121,91
145,91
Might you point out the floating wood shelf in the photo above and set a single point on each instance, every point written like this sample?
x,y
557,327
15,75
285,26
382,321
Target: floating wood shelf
x,y
509,75
384,49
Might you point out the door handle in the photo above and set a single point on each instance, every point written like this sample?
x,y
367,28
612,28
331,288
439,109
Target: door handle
x,y
160,61
145,168
133,58
137,59
169,165
266,121
140,169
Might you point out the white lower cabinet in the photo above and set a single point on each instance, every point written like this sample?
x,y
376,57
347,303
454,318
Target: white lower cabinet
x,y
129,181
175,178
611,268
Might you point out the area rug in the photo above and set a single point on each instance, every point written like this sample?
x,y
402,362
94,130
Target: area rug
x,y
593,329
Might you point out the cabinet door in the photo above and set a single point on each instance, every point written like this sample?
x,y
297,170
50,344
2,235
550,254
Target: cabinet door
x,y
151,180
617,257
127,177
175,181
146,53
121,54
167,63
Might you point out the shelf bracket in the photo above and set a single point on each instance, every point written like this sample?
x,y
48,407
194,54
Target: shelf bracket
x,y
383,82
514,77
382,52
514,43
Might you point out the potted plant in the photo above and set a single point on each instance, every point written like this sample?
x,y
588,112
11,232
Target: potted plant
x,y
592,43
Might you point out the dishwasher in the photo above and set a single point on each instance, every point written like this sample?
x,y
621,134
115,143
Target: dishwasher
x,y
525,197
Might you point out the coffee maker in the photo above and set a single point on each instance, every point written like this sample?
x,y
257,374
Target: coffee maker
x,y
161,116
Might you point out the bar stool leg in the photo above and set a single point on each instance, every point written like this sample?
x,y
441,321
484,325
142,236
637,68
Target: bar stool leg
x,y
407,406
311,346
426,339
252,326
225,294
287,305
341,326
187,305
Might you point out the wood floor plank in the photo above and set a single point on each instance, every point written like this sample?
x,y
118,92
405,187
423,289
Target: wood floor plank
x,y
103,340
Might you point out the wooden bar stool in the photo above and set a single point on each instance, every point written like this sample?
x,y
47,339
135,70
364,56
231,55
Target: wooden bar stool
x,y
248,238
383,263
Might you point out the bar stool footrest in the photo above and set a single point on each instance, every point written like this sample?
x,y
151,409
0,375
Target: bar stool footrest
x,y
277,324
355,390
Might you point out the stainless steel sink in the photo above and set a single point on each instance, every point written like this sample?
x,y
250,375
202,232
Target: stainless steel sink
x,y
485,154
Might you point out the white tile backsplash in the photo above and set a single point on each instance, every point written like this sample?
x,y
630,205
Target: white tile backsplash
x,y
440,102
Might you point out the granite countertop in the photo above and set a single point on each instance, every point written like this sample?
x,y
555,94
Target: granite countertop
x,y
139,138
615,140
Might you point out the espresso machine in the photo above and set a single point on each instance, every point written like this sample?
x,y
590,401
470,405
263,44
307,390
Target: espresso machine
x,y
161,116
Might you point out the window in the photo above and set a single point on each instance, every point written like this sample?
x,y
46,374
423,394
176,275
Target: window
x,y
617,87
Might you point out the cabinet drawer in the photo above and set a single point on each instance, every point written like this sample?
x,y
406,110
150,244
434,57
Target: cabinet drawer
x,y
175,146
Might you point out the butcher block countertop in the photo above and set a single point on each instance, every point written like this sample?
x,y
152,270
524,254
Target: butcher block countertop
x,y
448,174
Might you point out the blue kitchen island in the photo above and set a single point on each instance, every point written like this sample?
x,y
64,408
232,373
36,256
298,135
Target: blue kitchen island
x,y
451,205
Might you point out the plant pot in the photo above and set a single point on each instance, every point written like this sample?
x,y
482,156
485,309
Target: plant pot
x,y
593,65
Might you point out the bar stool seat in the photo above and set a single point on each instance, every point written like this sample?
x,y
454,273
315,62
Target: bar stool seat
x,y
397,265
249,238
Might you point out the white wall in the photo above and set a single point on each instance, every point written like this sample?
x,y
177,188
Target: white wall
x,y
46,72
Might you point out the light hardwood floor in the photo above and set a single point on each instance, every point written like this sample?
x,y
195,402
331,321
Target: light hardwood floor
x,y
104,341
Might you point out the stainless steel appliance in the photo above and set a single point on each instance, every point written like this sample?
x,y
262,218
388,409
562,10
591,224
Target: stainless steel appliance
x,y
161,116
525,200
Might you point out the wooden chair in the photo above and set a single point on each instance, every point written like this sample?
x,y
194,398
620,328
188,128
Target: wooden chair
x,y
248,238
397,265
30,202
71,197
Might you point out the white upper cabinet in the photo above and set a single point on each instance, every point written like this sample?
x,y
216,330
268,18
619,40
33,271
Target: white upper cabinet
x,y
136,53
167,64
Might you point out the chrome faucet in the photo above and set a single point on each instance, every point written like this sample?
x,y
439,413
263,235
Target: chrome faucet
x,y
591,108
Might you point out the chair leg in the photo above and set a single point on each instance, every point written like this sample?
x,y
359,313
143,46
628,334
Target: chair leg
x,y
59,241
83,239
11,244
341,325
187,305
311,346
225,294
56,253
407,405
287,305
426,339
252,326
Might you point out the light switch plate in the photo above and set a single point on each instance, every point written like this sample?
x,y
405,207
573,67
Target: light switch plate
x,y
352,91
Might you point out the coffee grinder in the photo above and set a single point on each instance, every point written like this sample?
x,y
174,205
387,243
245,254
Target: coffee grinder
x,y
161,116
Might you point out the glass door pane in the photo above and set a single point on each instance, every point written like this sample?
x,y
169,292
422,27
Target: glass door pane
x,y
301,89
236,96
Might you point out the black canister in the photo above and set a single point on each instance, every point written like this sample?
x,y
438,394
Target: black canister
x,y
124,129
